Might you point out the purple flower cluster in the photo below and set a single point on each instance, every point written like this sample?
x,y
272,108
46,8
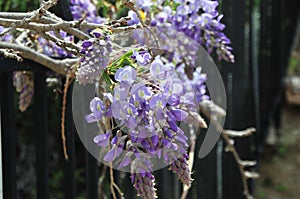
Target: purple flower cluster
x,y
51,49
144,183
80,9
95,58
23,81
85,9
147,102
197,19
5,37
154,91
181,168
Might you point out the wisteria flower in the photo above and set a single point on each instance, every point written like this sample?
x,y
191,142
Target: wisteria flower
x,y
133,18
102,139
126,74
158,103
97,108
143,58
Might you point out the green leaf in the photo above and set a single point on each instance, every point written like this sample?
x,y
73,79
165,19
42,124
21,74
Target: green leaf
x,y
7,6
124,60
106,78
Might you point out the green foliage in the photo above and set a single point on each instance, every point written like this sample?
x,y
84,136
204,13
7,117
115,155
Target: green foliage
x,y
105,8
281,187
18,5
294,64
261,195
55,182
282,149
79,175
123,61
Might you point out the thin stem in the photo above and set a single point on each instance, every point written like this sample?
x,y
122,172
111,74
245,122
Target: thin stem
x,y
193,138
111,174
68,82
119,190
100,182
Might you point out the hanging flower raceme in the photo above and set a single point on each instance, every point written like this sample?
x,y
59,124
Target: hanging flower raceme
x,y
142,179
181,168
95,58
5,36
197,19
152,91
148,100
24,83
85,8
51,49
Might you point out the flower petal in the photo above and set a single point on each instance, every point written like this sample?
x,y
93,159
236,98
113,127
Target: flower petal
x,y
102,139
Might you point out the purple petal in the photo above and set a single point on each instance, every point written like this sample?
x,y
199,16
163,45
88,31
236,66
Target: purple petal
x,y
111,155
131,122
137,154
91,118
102,139
126,74
156,67
174,146
167,132
165,142
160,114
174,100
179,114
87,44
158,152
96,105
154,139
114,140
181,140
97,34
173,125
143,134
126,161
146,144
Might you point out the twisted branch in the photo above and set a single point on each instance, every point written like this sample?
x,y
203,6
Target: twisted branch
x,y
58,66
242,165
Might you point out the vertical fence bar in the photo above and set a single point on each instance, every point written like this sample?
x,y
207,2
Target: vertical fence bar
x,y
205,184
70,192
265,67
129,191
253,59
8,137
177,187
91,176
238,87
164,187
254,75
41,110
276,59
228,81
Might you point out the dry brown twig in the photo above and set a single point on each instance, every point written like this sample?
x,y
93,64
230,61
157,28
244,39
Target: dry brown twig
x,y
212,111
69,79
41,22
9,53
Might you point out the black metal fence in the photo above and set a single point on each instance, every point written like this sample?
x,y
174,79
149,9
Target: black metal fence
x,y
254,88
